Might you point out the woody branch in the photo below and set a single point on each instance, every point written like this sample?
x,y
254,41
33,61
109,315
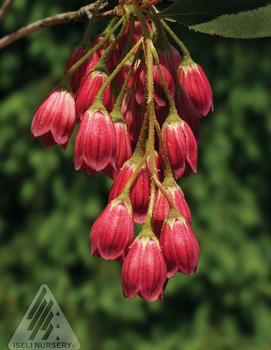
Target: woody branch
x,y
85,11
4,8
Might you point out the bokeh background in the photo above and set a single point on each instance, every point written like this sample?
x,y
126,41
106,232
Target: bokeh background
x,y
46,209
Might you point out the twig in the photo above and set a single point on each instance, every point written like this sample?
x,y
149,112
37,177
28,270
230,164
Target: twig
x,y
85,11
3,9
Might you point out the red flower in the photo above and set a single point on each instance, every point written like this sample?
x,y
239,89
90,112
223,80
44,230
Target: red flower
x,y
159,92
144,270
133,114
140,196
84,69
95,142
113,231
181,146
88,91
197,86
123,149
179,246
181,204
171,59
121,179
187,111
123,74
55,119
161,207
139,193
113,58
137,34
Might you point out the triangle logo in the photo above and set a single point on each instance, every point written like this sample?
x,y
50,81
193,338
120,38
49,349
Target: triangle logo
x,y
44,326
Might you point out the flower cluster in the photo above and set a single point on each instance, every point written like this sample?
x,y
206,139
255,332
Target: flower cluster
x,y
137,101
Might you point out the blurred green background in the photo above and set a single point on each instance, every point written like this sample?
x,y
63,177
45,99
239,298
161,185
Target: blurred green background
x,y
46,209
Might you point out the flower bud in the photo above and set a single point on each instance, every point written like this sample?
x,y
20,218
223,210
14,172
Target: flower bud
x,y
84,69
123,149
136,30
180,145
161,206
181,204
160,212
187,111
159,91
55,119
171,59
133,114
114,57
95,142
179,246
140,195
113,231
123,74
121,179
88,91
159,96
140,190
197,86
144,270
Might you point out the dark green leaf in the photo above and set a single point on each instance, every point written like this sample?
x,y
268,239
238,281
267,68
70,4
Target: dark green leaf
x,y
192,12
244,25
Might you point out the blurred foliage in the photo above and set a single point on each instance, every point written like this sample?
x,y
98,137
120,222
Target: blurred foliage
x,y
47,209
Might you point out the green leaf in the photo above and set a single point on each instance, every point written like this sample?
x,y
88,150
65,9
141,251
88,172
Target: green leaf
x,y
244,25
192,12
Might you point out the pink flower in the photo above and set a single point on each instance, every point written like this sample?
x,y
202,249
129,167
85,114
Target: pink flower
x,y
55,119
113,231
140,195
161,207
144,270
181,146
140,190
84,69
197,86
95,142
171,59
89,88
121,179
123,149
179,246
187,111
137,34
133,114
123,74
159,92
113,58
